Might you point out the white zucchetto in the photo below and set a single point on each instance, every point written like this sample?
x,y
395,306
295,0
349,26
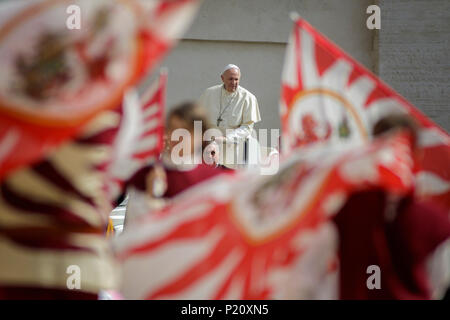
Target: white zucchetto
x,y
230,66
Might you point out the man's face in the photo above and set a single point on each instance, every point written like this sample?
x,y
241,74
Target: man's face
x,y
231,79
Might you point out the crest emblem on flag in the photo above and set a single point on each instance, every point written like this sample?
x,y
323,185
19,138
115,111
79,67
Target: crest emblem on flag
x,y
55,79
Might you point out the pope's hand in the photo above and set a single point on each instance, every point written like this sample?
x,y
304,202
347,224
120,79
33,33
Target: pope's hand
x,y
211,154
220,139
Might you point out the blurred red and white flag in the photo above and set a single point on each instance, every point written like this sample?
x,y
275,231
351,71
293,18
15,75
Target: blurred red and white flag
x,y
328,97
252,236
140,137
56,77
153,103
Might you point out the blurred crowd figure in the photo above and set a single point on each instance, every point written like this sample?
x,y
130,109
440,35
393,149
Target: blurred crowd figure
x,y
152,186
407,238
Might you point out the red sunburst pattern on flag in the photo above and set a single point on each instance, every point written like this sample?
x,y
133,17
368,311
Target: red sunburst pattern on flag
x,y
327,96
226,240
141,134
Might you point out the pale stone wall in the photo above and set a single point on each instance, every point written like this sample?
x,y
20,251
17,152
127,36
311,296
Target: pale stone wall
x,y
414,53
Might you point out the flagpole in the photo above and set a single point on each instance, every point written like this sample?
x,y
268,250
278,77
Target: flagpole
x,y
163,71
163,76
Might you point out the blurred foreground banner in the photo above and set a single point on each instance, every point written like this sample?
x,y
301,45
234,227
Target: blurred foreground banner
x,y
56,78
251,236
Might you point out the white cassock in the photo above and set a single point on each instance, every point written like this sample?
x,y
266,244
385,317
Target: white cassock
x,y
235,114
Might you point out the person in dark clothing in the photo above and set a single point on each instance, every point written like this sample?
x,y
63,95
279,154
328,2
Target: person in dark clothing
x,y
399,236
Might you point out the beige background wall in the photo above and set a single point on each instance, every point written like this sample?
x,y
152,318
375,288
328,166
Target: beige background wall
x,y
253,35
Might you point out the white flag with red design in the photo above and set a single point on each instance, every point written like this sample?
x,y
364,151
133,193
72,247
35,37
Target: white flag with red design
x,y
153,102
252,236
140,137
55,79
328,96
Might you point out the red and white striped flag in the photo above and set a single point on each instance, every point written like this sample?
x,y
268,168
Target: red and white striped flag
x,y
153,104
140,137
327,96
55,77
252,236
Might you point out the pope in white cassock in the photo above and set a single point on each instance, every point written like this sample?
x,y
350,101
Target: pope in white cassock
x,y
234,110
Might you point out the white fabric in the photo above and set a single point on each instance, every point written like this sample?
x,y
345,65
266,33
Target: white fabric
x,y
240,111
